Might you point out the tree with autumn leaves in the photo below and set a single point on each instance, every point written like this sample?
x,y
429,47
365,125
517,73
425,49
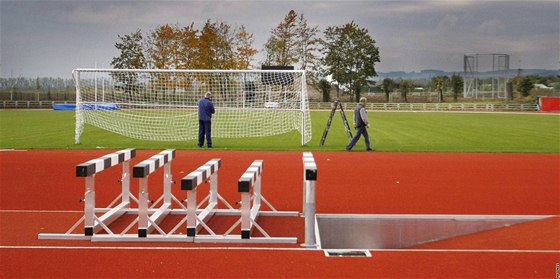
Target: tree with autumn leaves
x,y
217,45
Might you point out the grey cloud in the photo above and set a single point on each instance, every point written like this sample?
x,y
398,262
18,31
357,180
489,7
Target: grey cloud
x,y
49,38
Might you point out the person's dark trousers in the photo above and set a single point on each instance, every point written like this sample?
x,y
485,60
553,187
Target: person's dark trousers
x,y
360,131
204,129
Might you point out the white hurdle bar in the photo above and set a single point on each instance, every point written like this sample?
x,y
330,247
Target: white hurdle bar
x,y
310,178
146,222
190,183
92,223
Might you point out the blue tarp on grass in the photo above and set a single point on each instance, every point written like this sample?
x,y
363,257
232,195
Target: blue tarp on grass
x,y
86,106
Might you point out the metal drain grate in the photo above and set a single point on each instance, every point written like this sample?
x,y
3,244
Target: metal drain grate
x,y
347,253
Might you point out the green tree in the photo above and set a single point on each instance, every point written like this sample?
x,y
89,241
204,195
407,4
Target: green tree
x,y
388,87
525,85
308,44
350,56
325,87
457,84
440,83
294,42
132,56
406,86
282,47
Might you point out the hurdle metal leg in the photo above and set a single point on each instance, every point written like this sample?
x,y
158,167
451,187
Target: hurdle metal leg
x,y
310,178
246,215
191,212
309,213
143,197
89,205
214,188
125,182
167,180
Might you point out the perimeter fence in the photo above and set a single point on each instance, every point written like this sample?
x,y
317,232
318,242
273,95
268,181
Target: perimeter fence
x,y
480,107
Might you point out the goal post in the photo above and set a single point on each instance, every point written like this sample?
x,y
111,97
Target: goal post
x,y
161,105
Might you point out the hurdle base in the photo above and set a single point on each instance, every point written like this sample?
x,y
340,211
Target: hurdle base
x,y
135,238
310,246
63,236
238,239
230,212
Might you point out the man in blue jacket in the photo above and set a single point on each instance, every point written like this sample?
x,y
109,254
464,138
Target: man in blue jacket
x,y
205,111
361,124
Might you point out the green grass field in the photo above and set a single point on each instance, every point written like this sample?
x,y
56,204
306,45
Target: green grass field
x,y
390,131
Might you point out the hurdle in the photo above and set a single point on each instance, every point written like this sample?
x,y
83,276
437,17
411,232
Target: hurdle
x,y
146,222
249,186
149,217
92,223
310,178
196,217
250,179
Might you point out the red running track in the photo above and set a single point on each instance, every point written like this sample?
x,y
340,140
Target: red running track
x,y
39,193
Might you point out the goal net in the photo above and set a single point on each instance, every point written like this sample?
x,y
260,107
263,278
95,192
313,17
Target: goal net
x,y
161,105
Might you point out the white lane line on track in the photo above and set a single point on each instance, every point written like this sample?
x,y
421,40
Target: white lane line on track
x,y
271,249
546,216
467,250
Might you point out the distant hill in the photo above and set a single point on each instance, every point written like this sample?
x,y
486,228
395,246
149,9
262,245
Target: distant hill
x,y
428,74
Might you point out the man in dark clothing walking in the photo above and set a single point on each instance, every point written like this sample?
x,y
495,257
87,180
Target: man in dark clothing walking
x,y
361,124
205,111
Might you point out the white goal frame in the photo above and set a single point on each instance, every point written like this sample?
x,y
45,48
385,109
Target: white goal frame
x,y
161,104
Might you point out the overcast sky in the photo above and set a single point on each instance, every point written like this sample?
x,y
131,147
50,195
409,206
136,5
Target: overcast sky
x,y
50,38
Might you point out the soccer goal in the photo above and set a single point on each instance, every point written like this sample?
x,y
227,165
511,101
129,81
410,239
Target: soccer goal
x,y
161,105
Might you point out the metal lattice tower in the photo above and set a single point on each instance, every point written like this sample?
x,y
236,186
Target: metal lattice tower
x,y
485,74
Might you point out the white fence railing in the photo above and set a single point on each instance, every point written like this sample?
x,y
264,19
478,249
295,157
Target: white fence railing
x,y
327,106
31,104
433,106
